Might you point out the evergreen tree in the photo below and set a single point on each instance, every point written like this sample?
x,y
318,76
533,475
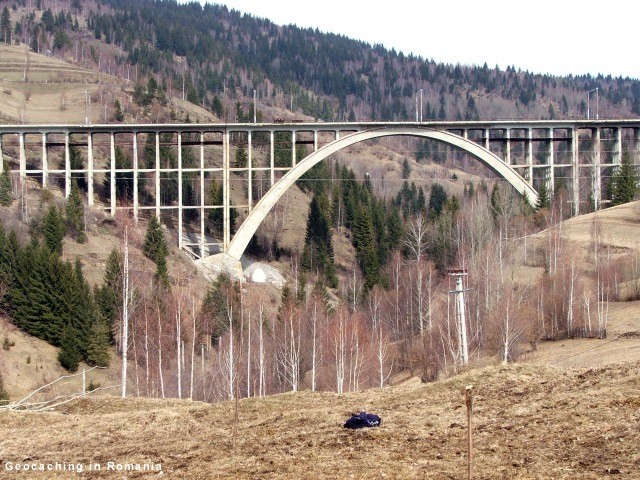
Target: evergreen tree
x,y
156,249
497,208
4,395
624,185
364,240
222,299
81,307
69,355
543,197
216,215
53,229
5,26
437,199
241,157
6,196
406,169
108,297
318,250
118,114
75,214
76,163
98,348
395,229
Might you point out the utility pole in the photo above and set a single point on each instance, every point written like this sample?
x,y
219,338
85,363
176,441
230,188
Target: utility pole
x,y
463,346
255,105
125,311
597,103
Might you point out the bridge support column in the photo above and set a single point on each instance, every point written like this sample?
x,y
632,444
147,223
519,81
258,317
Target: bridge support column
x,y
249,178
507,135
135,176
575,170
315,140
293,149
529,160
90,169
487,134
158,175
551,161
180,207
112,173
23,156
634,157
618,152
272,157
226,196
597,172
202,196
67,167
45,162
1,156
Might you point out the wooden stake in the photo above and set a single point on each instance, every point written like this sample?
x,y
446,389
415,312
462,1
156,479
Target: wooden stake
x,y
469,400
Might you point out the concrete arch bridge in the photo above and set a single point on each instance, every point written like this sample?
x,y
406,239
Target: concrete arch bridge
x,y
157,173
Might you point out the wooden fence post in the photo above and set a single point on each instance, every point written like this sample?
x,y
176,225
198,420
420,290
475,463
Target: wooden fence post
x,y
469,401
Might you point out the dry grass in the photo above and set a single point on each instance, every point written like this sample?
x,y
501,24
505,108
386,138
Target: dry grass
x,y
621,345
52,82
531,422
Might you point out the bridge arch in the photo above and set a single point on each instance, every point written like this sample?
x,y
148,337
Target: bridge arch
x,y
257,215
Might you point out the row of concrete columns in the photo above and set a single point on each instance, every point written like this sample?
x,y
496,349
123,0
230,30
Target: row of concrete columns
x,y
111,170
527,168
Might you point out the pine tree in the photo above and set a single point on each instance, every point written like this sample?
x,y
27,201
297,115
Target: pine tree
x,y
241,157
6,196
108,297
406,169
543,197
53,230
5,26
624,185
318,250
395,229
81,307
216,215
69,355
75,214
76,163
98,348
364,240
4,395
437,199
156,249
118,114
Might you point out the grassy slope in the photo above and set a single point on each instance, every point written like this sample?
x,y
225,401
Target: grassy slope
x,y
530,422
52,82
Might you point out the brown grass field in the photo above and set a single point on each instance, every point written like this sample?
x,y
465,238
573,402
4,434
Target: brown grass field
x,y
530,422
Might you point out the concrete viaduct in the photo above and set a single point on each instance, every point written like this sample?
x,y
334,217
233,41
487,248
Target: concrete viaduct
x,y
576,153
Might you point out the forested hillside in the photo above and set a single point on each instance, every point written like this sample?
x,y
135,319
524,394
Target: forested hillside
x,y
216,57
